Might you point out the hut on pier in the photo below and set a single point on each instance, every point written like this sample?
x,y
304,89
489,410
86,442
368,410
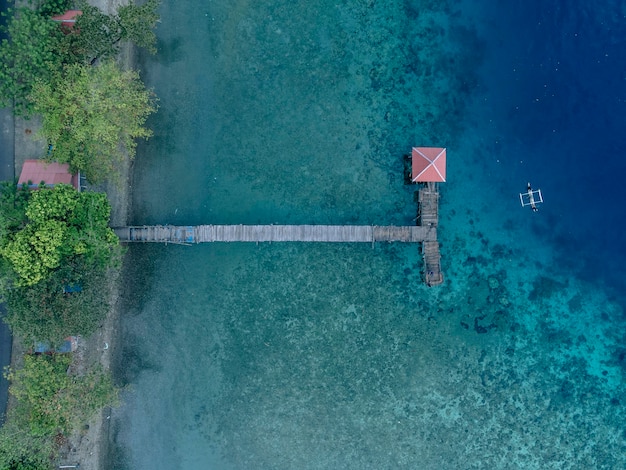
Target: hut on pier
x,y
428,165
428,168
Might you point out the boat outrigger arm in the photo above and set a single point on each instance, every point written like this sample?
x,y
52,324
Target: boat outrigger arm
x,y
531,198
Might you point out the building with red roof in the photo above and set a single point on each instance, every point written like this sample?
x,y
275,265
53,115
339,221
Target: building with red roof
x,y
35,172
428,165
68,19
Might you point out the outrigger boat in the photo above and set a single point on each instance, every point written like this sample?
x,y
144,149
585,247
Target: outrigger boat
x,y
531,198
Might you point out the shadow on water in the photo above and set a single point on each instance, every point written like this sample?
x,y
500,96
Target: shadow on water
x,y
117,456
170,51
129,362
138,274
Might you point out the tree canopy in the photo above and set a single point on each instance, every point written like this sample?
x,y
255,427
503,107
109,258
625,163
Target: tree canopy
x,y
50,400
61,224
21,450
72,300
12,208
49,8
92,116
37,47
137,23
100,35
32,52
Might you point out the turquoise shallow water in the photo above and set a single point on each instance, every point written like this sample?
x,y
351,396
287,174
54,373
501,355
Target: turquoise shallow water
x,y
284,356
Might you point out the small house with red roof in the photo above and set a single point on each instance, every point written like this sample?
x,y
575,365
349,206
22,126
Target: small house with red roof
x,y
68,19
428,165
37,172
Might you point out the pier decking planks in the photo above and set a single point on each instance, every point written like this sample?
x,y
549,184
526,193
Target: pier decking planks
x,y
432,263
425,232
428,216
275,233
428,209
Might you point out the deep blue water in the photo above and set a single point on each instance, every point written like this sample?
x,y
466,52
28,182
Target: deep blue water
x,y
317,356
552,92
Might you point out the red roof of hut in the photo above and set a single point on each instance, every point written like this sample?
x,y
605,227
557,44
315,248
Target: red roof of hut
x,y
428,165
50,173
68,18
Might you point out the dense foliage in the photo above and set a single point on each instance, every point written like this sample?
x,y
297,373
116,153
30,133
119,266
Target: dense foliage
x,y
69,297
49,402
38,388
92,116
62,225
137,23
32,52
37,46
73,300
12,208
49,8
56,248
21,450
100,34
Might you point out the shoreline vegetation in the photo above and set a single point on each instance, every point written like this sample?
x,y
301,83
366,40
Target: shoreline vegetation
x,y
79,434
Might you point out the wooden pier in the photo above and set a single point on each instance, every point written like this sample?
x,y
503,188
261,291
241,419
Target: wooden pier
x,y
425,232
275,233
428,207
428,217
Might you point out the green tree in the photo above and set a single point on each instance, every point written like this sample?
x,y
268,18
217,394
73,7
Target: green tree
x,y
49,8
137,23
32,52
12,209
62,224
36,387
100,34
21,450
92,116
50,400
47,311
36,250
37,46
12,219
